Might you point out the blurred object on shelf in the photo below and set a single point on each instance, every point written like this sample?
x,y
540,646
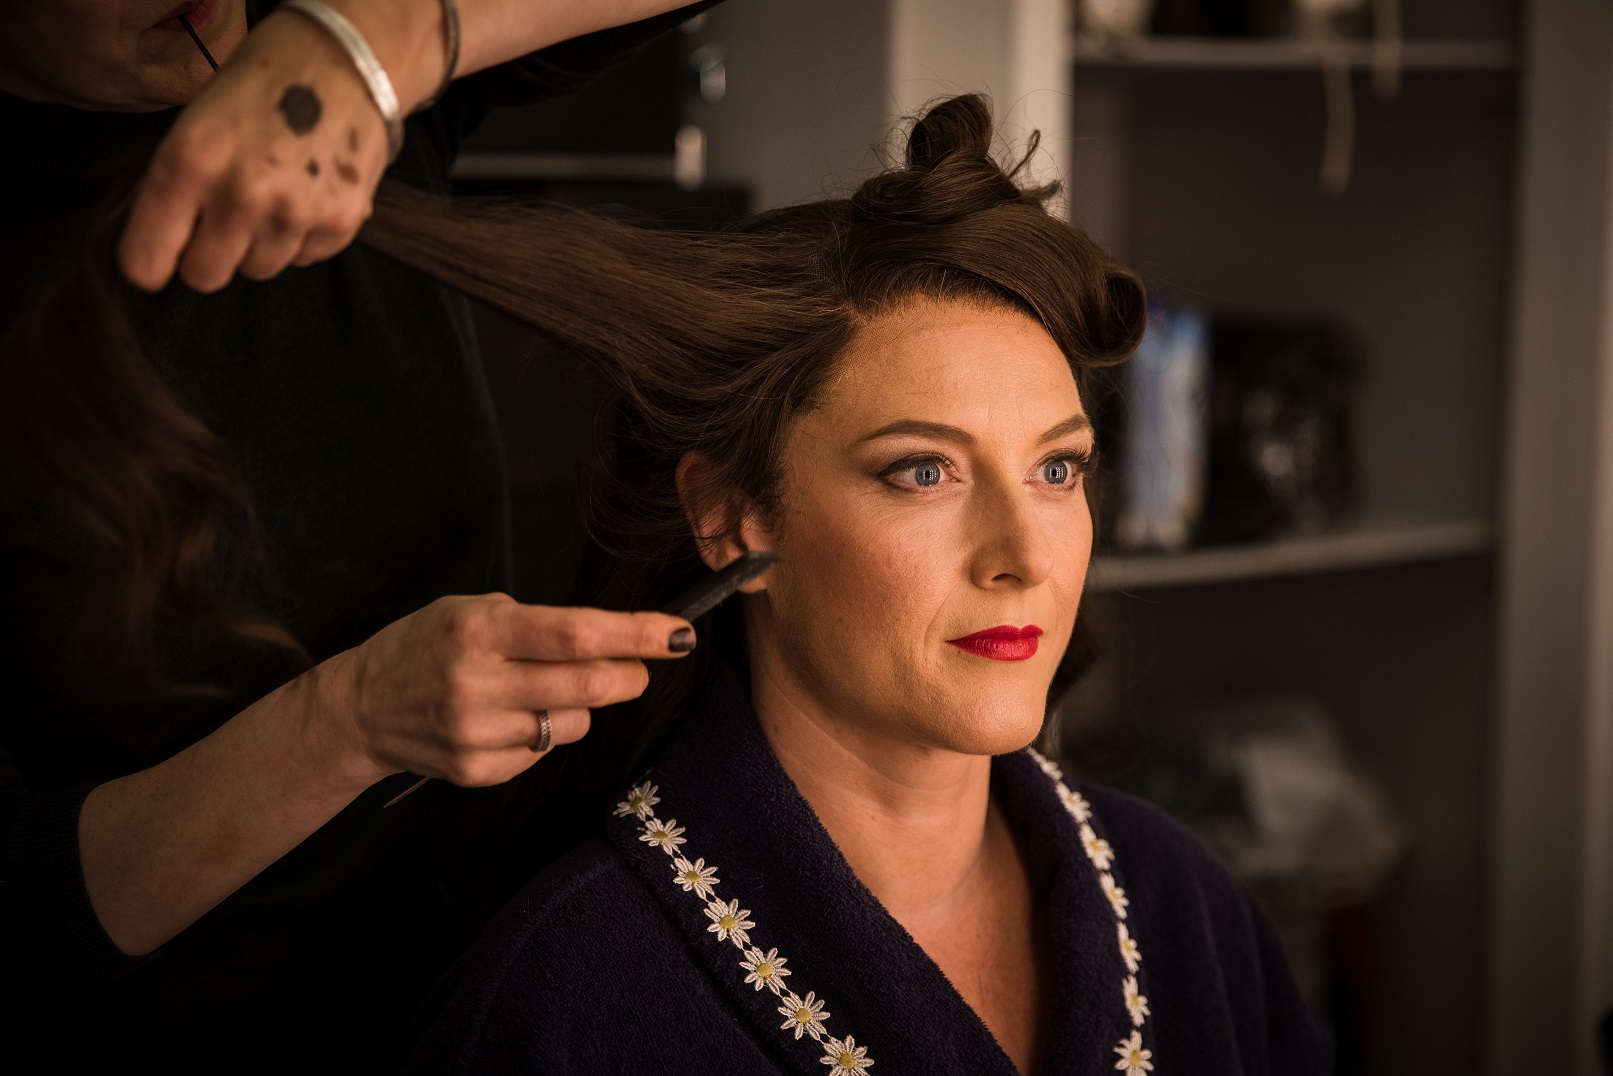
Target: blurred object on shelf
x,y
1281,458
1163,461
1115,18
1309,821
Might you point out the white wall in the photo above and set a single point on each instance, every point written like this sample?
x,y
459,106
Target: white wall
x,y
816,88
1551,954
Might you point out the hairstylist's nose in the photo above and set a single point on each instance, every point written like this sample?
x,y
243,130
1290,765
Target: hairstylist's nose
x,y
1011,543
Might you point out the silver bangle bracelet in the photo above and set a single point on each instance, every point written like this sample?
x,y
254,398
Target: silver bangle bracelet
x,y
369,68
450,30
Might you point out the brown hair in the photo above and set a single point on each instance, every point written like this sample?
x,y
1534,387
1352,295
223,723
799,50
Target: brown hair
x,y
714,341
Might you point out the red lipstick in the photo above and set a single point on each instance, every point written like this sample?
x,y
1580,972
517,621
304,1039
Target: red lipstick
x,y
1002,643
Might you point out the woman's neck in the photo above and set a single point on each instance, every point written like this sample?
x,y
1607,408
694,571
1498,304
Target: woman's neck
x,y
911,821
918,827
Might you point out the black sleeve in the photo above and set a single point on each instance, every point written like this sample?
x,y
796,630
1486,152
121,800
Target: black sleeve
x,y
49,933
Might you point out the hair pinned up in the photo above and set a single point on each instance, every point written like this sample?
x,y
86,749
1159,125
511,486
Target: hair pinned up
x,y
950,172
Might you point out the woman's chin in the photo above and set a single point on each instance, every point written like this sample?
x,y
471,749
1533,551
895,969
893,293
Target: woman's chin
x,y
997,728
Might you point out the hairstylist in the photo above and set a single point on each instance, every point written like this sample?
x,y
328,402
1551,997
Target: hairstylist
x,y
207,879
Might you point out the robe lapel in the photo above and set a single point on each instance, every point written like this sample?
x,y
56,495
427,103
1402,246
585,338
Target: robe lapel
x,y
766,877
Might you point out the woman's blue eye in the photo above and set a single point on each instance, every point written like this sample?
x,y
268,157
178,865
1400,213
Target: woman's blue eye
x,y
1057,472
927,474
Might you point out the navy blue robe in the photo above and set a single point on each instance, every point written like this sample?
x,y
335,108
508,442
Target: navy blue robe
x,y
718,929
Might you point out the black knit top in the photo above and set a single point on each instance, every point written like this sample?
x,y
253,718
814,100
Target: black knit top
x,y
352,398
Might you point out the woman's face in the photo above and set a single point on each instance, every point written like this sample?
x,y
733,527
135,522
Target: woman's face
x,y
126,56
932,521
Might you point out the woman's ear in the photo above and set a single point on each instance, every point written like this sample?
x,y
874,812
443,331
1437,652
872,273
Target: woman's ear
x,y
726,525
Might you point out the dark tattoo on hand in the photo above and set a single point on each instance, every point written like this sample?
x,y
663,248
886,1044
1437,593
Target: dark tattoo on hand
x,y
348,173
301,108
313,167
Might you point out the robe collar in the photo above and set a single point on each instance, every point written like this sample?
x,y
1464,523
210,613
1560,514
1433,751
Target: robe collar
x,y
719,790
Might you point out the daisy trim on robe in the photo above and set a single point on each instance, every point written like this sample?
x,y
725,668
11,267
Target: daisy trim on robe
x,y
803,1015
641,799
1134,1059
845,1056
696,877
766,969
731,923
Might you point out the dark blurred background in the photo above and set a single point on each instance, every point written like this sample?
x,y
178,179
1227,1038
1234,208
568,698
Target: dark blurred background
x,y
1355,577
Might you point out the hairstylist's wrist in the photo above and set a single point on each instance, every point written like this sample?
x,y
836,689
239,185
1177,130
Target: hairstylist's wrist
x,y
407,38
329,737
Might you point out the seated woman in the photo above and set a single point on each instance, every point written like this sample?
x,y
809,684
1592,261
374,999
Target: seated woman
x,y
841,852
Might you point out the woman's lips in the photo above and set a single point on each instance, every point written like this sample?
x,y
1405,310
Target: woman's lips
x,y
197,12
1002,643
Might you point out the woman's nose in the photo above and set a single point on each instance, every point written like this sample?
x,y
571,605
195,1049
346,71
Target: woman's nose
x,y
1011,543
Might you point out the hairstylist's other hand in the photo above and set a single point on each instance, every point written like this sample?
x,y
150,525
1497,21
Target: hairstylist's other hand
x,y
453,690
273,164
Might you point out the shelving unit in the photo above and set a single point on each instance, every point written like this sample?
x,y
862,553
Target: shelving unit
x,y
1197,161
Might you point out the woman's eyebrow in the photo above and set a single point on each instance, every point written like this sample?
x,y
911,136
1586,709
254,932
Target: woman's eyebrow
x,y
916,427
1074,424
941,431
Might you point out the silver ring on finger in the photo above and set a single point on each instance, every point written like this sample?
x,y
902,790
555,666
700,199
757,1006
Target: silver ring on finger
x,y
545,733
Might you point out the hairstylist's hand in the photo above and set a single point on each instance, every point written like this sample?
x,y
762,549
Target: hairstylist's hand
x,y
273,164
453,690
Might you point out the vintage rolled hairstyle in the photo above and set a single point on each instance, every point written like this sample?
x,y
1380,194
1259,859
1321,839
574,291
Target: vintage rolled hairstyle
x,y
715,342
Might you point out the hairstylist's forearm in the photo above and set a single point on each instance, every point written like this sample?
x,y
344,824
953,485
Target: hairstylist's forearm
x,y
162,847
453,691
407,35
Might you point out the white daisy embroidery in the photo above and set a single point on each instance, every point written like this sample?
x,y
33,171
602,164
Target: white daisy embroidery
x,y
694,877
1133,1058
844,1055
1047,765
766,969
1075,803
1136,1004
803,1015
640,800
1128,949
729,922
1116,895
1098,849
664,835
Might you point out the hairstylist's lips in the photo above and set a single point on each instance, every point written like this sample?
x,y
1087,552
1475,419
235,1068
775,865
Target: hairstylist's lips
x,y
1002,643
198,12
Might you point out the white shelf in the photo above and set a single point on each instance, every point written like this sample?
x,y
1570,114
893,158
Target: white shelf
x,y
1367,547
1283,54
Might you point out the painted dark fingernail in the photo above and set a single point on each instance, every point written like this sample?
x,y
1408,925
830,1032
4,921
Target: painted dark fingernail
x,y
682,641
